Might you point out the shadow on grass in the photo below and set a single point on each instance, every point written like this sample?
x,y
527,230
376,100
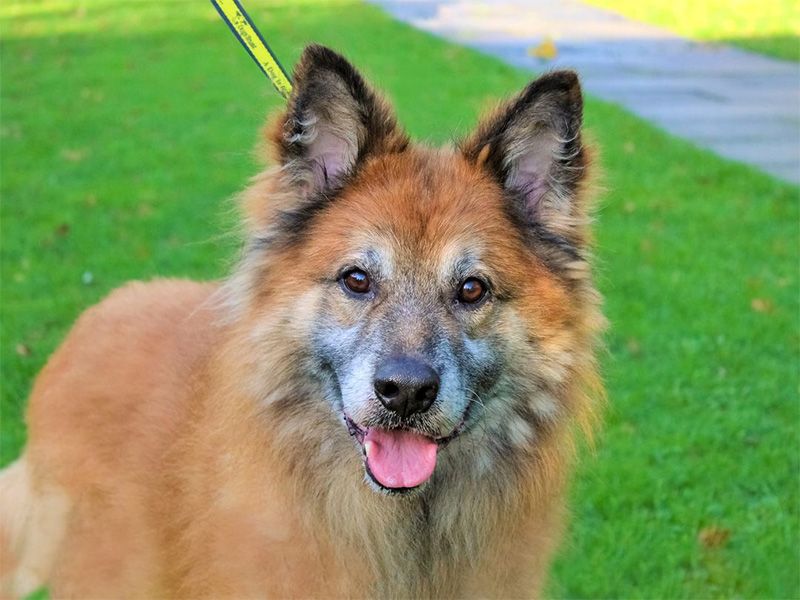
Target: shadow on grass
x,y
786,47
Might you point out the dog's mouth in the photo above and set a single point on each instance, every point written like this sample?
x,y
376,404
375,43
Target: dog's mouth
x,y
399,460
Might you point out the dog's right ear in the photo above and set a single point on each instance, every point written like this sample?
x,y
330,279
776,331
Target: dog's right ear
x,y
532,146
334,121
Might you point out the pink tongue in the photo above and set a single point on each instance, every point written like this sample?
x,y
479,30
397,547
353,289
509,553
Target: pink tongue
x,y
399,459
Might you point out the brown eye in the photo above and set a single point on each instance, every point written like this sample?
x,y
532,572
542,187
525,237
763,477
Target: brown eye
x,y
472,290
356,281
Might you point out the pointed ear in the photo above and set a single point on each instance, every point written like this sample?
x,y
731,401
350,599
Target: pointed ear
x,y
532,145
333,122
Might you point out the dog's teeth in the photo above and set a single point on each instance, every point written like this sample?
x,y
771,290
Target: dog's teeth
x,y
368,446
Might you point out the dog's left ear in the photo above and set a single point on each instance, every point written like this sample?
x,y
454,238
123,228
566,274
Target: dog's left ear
x,y
532,145
334,121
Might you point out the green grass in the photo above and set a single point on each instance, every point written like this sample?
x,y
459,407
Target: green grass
x,y
767,26
127,125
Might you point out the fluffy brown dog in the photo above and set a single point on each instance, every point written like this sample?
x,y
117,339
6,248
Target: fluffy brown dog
x,y
378,402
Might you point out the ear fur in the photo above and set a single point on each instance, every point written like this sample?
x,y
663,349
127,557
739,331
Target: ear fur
x,y
532,145
333,122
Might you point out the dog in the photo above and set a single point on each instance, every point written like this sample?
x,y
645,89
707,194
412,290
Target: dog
x,y
380,401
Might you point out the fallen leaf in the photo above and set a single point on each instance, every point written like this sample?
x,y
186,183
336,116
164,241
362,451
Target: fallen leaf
x,y
633,346
761,305
546,49
11,131
23,350
62,229
93,95
74,154
713,536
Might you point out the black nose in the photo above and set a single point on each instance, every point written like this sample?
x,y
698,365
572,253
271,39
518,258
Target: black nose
x,y
406,385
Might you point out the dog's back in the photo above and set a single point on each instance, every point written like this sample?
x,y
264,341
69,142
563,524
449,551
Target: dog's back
x,y
103,414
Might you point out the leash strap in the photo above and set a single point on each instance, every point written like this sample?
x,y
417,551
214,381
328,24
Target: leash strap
x,y
242,27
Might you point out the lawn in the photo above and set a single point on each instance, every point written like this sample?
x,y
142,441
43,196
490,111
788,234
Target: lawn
x,y
127,126
767,26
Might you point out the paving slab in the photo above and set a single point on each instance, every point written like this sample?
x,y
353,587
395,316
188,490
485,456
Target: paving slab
x,y
741,105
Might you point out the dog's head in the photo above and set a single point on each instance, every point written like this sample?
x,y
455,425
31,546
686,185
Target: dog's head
x,y
432,295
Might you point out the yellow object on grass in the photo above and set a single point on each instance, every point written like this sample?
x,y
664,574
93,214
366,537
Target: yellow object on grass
x,y
546,49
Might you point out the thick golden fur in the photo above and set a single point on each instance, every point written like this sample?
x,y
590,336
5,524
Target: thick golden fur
x,y
180,452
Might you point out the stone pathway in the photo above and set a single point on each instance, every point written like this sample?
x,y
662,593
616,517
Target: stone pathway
x,y
741,105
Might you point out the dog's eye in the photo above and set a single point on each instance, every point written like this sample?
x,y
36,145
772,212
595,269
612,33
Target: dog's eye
x,y
472,291
356,281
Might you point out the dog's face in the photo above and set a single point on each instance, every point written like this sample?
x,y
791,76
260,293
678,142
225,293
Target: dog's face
x,y
436,294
